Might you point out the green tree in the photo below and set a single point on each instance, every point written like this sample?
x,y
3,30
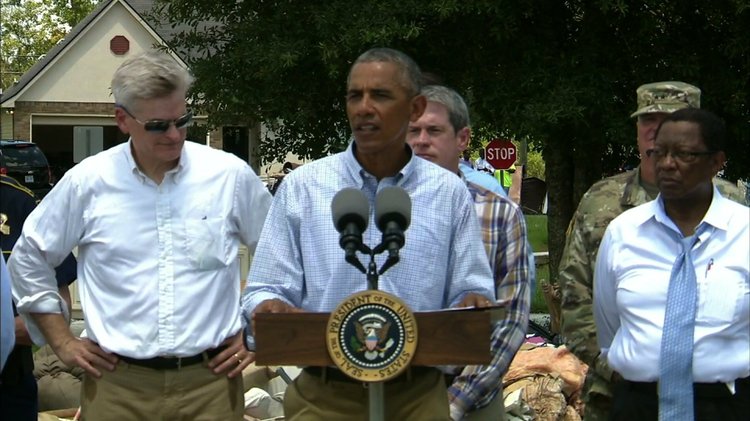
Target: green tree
x,y
30,28
563,73
535,164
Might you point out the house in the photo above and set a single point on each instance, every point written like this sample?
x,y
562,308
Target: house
x,y
64,103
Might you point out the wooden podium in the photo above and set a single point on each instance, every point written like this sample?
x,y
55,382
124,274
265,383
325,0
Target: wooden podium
x,y
448,337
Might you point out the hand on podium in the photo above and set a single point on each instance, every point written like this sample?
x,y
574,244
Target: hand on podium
x,y
475,300
274,306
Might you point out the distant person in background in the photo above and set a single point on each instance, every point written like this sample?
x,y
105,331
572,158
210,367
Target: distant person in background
x,y
672,286
505,177
482,165
18,387
465,159
481,178
440,135
604,201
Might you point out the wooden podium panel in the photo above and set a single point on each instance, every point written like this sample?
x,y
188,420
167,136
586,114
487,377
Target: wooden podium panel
x,y
450,337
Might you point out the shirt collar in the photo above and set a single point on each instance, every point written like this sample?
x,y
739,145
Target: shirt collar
x,y
176,172
715,215
358,173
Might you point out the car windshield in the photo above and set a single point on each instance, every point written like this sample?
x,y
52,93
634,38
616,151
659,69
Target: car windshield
x,y
23,156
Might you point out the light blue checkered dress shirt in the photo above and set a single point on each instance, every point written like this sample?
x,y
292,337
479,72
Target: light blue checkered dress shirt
x,y
299,259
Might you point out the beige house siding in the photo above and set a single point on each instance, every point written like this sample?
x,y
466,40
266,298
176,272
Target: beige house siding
x,y
6,124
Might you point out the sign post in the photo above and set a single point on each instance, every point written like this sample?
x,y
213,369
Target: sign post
x,y
501,154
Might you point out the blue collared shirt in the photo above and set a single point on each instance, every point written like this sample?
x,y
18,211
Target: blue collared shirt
x,y
299,260
8,337
481,179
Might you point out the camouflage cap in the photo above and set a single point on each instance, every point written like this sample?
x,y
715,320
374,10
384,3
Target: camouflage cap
x,y
666,97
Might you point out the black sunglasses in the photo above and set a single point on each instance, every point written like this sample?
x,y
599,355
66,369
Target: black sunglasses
x,y
161,126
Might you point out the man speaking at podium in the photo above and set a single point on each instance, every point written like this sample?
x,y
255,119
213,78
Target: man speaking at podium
x,y
299,265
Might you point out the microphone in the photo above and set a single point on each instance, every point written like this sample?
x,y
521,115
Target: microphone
x,y
392,216
351,213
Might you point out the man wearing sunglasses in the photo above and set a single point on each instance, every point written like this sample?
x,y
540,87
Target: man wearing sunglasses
x,y
158,222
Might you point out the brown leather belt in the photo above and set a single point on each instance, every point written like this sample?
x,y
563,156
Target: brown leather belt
x,y
173,363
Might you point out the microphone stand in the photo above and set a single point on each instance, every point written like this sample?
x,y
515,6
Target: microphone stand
x,y
376,390
372,273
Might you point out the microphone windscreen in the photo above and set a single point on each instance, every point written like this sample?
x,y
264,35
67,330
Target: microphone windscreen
x,y
350,205
392,203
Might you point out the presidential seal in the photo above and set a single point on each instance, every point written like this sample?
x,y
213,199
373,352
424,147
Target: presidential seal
x,y
372,336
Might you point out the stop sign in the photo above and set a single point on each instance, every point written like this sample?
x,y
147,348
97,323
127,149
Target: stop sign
x,y
501,154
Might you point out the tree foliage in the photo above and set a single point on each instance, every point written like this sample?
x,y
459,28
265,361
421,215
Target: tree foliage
x,y
561,73
30,28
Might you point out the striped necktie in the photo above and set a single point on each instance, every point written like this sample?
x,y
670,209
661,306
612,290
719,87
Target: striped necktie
x,y
676,362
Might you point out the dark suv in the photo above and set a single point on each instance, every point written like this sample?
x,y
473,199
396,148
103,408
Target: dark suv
x,y
25,162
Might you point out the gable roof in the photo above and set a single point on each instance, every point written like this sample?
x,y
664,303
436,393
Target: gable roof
x,y
138,8
164,29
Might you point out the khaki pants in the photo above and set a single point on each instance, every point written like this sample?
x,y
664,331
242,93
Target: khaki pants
x,y
423,397
138,393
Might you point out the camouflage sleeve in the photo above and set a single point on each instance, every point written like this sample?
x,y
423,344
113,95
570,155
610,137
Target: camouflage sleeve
x,y
576,285
730,191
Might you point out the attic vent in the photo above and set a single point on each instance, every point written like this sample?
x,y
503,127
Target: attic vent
x,y
119,45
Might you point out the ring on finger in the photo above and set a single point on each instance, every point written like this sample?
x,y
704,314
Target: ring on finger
x,y
239,360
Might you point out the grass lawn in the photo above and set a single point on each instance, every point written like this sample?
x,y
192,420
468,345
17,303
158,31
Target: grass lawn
x,y
537,232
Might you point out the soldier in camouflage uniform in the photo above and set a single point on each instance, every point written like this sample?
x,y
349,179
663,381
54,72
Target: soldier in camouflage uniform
x,y
604,201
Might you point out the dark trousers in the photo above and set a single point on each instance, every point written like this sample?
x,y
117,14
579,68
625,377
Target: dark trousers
x,y
18,401
713,401
18,390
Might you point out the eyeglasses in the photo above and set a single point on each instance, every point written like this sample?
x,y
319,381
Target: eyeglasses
x,y
684,157
161,126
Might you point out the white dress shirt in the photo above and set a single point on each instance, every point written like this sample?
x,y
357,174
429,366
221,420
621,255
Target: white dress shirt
x,y
158,273
631,279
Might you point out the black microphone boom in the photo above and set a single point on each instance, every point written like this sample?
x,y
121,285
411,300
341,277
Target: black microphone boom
x,y
392,216
351,212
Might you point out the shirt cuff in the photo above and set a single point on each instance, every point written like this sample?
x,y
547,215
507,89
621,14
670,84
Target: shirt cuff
x,y
42,302
460,399
247,336
457,413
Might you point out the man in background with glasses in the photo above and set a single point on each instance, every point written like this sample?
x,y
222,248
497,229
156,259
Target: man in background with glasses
x,y
604,201
158,222
671,293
